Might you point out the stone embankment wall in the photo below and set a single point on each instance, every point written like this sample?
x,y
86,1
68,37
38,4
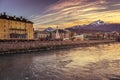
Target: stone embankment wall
x,y
15,47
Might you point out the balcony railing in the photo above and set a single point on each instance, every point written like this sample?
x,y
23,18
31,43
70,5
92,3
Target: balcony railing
x,y
19,36
17,29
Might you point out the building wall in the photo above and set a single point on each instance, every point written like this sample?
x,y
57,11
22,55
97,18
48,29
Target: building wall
x,y
42,35
10,28
62,35
30,30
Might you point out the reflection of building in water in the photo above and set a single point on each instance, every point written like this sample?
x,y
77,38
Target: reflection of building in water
x,y
13,27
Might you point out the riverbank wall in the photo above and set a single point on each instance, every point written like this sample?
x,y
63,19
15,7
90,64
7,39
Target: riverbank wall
x,y
35,46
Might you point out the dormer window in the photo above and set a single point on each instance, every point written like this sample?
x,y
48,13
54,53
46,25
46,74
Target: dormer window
x,y
21,19
26,20
7,16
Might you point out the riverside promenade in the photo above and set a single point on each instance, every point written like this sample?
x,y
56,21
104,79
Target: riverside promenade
x,y
31,46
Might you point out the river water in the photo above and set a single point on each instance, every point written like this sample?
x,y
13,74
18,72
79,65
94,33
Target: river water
x,y
101,62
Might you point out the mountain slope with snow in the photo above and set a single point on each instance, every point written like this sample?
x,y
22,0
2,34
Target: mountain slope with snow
x,y
96,26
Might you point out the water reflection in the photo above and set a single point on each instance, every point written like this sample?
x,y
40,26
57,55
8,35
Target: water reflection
x,y
100,62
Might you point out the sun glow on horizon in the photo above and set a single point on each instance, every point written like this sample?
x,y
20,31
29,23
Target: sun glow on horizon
x,y
67,13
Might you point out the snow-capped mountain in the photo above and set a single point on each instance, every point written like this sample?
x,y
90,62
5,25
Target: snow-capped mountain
x,y
49,29
96,26
98,22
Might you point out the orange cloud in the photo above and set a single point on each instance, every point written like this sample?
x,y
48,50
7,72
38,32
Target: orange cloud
x,y
67,13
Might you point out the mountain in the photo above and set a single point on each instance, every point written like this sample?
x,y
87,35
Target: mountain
x,y
49,29
96,26
98,22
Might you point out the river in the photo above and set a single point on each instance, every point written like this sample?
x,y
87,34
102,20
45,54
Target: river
x,y
101,62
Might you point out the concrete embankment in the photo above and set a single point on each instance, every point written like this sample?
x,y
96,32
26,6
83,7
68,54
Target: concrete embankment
x,y
32,46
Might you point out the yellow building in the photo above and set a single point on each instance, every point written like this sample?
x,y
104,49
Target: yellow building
x,y
12,27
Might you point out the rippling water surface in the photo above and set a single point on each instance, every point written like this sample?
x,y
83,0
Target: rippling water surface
x,y
100,62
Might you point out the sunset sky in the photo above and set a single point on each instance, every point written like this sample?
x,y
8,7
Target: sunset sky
x,y
63,13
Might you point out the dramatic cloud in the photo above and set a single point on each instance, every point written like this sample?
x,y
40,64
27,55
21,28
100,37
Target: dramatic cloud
x,y
64,13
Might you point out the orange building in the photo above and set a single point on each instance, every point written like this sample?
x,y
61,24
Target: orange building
x,y
12,27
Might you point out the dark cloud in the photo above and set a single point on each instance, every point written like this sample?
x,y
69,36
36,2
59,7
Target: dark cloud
x,y
25,7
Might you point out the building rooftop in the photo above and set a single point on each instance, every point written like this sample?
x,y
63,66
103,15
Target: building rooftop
x,y
21,19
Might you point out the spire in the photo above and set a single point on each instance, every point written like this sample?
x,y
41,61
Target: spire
x,y
57,35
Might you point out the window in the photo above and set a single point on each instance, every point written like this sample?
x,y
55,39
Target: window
x,y
4,21
4,36
20,27
11,31
4,28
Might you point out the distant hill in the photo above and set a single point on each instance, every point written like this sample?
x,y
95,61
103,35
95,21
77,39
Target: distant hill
x,y
96,26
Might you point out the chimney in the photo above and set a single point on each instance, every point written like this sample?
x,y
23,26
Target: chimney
x,y
4,13
21,18
14,17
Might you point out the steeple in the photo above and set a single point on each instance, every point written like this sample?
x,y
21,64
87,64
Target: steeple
x,y
57,35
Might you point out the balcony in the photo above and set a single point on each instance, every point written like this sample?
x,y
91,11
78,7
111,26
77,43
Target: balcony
x,y
16,29
18,36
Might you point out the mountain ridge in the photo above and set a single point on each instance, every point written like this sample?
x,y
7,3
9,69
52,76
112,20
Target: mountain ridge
x,y
96,26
